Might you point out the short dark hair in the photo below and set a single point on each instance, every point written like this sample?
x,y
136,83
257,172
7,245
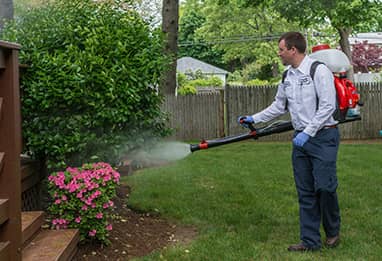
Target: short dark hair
x,y
294,39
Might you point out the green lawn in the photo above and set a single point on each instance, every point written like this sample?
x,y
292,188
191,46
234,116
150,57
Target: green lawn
x,y
242,199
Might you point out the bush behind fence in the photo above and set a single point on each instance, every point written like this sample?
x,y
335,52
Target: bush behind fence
x,y
213,115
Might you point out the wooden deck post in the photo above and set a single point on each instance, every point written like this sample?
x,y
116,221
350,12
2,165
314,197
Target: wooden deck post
x,y
10,149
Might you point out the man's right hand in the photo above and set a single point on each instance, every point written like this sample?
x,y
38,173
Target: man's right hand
x,y
245,121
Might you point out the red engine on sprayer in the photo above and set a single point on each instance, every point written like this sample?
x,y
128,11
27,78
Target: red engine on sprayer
x,y
348,97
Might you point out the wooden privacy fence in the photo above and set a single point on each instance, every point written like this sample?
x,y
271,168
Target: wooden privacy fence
x,y
246,101
196,116
215,115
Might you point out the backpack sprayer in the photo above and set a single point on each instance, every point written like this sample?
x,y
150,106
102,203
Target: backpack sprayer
x,y
348,101
348,98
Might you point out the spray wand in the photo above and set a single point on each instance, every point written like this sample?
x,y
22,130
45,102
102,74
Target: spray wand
x,y
276,127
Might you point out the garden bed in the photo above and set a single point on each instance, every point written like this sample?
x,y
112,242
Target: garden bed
x,y
135,234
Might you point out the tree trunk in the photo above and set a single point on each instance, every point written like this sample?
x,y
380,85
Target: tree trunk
x,y
6,11
345,46
170,15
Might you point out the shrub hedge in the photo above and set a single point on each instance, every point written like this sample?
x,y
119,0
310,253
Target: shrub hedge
x,y
90,86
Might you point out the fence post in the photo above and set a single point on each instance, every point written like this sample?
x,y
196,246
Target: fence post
x,y
222,130
227,109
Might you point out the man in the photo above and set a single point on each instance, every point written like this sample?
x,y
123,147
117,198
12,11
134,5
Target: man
x,y
311,103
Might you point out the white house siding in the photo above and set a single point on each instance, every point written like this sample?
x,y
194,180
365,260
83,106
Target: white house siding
x,y
188,64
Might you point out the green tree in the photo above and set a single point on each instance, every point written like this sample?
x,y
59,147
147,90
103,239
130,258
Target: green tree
x,y
190,44
245,33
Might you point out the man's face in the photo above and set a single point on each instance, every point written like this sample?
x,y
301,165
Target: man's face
x,y
286,55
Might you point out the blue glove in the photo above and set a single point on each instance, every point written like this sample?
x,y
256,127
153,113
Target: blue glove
x,y
245,121
301,139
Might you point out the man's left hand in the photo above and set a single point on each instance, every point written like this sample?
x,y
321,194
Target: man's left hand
x,y
301,139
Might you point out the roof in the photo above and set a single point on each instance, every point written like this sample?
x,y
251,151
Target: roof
x,y
186,64
372,38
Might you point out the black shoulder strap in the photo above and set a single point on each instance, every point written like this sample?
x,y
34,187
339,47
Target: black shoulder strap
x,y
284,76
282,81
313,68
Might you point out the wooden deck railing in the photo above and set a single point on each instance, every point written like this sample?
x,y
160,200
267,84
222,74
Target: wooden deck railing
x,y
10,148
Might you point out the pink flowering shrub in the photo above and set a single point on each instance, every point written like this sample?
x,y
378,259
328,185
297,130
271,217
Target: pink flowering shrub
x,y
82,198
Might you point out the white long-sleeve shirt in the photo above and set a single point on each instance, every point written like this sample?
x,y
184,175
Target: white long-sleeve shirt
x,y
302,96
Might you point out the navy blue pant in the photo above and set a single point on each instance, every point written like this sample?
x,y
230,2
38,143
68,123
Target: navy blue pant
x,y
314,167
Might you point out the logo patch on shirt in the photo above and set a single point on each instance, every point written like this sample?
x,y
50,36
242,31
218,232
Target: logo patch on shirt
x,y
305,80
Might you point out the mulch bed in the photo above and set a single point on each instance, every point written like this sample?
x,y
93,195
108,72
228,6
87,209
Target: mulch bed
x,y
135,234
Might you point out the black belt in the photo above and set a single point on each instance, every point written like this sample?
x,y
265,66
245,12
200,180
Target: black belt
x,y
330,126
323,128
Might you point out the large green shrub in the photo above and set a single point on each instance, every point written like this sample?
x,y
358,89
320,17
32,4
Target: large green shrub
x,y
90,85
212,81
187,89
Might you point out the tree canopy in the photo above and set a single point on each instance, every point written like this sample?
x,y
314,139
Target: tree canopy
x,y
244,31
191,44
240,34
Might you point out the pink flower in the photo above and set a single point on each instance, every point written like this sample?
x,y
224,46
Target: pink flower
x,y
60,223
72,186
99,215
92,232
84,208
97,193
116,176
57,201
109,227
78,219
64,198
